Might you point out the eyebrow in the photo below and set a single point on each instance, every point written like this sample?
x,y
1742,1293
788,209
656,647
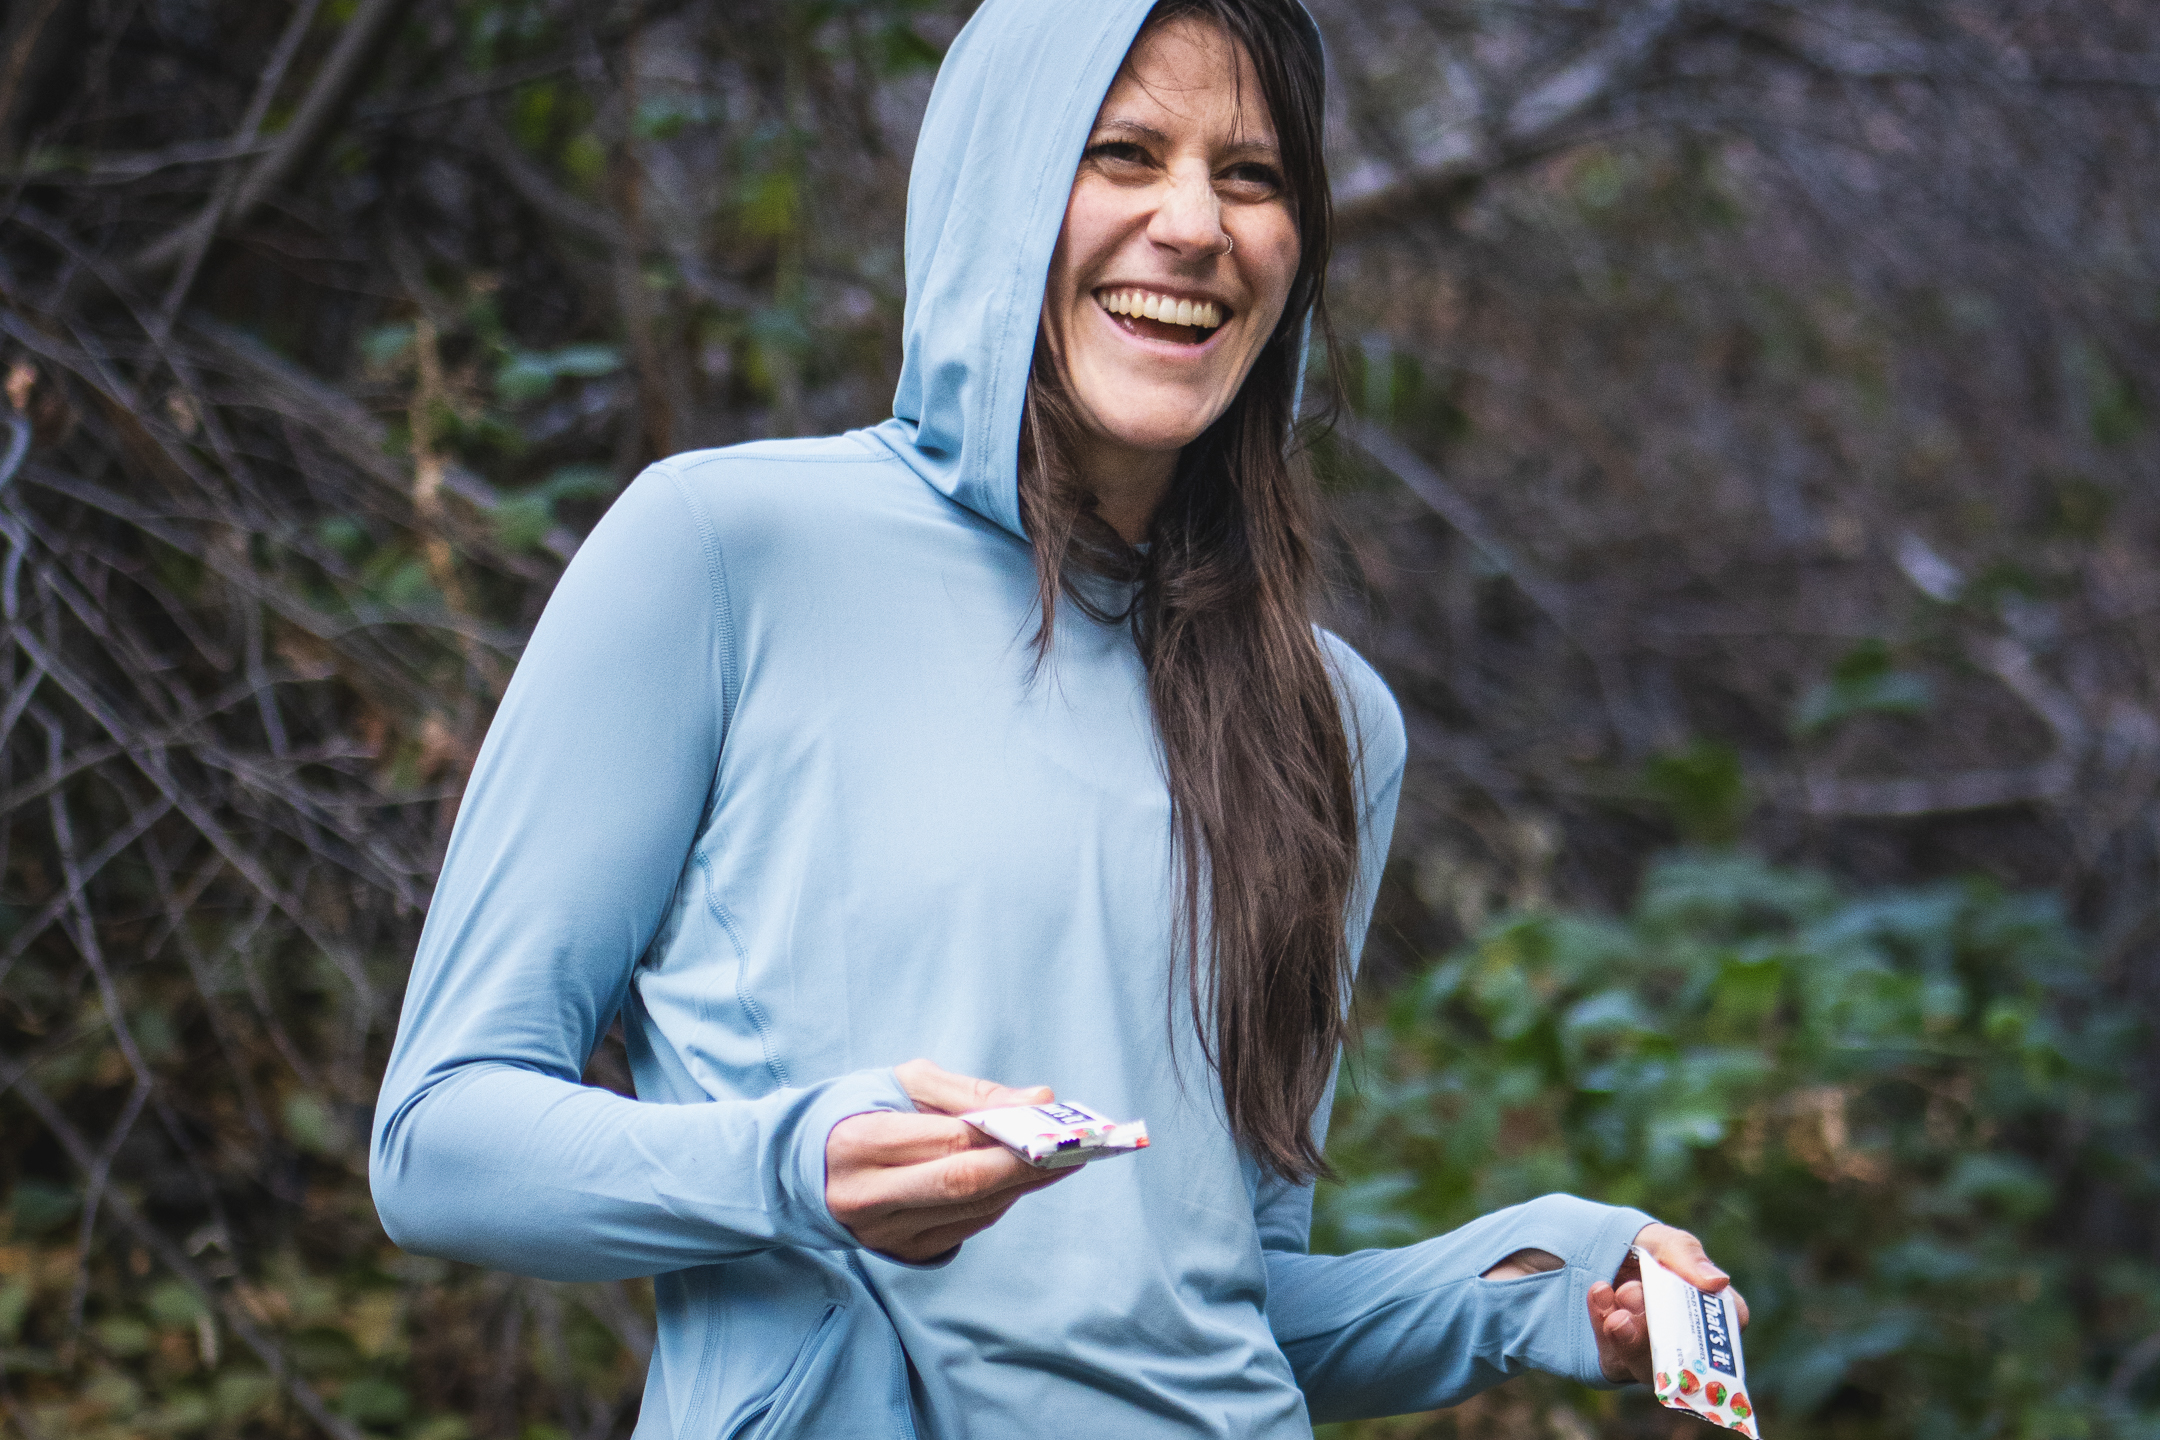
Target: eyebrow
x,y
1149,132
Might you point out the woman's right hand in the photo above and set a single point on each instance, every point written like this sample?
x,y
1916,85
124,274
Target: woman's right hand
x,y
912,1187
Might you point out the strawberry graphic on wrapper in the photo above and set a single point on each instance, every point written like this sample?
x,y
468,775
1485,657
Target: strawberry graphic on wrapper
x,y
1715,1390
1688,1383
1740,1405
1664,1382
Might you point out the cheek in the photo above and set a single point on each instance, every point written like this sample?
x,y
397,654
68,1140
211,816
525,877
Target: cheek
x,y
1094,224
1274,270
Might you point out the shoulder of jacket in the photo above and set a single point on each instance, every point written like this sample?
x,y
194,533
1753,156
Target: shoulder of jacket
x,y
1367,697
778,480
754,459
1352,670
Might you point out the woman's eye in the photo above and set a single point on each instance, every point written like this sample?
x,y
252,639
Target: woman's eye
x,y
1253,175
1118,152
1254,181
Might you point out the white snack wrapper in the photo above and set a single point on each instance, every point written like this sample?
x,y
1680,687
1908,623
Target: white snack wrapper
x,y
1695,1348
1060,1134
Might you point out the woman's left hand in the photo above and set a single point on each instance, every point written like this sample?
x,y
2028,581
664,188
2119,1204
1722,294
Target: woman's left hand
x,y
1616,1308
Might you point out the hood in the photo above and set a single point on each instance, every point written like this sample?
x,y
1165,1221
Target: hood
x,y
994,163
1008,118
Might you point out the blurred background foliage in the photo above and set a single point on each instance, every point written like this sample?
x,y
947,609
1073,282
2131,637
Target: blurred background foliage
x,y
1885,1111
1743,472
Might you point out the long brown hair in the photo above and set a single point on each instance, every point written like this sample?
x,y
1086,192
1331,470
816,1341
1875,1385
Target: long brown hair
x,y
1263,810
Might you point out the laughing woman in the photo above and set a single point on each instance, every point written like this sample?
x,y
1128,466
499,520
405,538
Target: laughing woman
x,y
1000,734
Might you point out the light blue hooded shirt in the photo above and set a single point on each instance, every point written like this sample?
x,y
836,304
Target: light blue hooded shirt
x,y
776,783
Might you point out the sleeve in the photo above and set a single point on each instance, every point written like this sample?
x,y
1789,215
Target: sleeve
x,y
572,835
1390,1332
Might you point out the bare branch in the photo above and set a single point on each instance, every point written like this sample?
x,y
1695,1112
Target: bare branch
x,y
2011,663
205,225
1540,119
360,45
1426,483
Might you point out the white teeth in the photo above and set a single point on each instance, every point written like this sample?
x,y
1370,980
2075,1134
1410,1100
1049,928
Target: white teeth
x,y
1200,314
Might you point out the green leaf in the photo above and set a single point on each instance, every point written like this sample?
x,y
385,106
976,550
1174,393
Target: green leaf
x,y
374,1401
174,1303
2008,1181
580,482
240,1393
666,115
183,1412
343,534
523,521
770,204
36,1207
14,1305
407,585
532,113
1609,1010
586,159
1703,788
1863,682
901,50
526,375
310,1125
586,362
385,345
122,1336
117,1394
1746,993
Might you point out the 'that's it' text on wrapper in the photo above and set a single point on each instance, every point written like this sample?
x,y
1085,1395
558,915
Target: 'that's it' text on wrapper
x,y
1695,1347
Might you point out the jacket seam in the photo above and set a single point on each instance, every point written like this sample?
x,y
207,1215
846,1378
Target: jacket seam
x,y
723,608
903,1407
702,1384
730,687
774,1065
723,456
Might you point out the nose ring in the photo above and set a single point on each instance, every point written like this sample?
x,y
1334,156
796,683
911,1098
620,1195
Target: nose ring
x,y
1229,242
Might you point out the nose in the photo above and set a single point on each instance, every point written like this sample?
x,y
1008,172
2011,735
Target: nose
x,y
1188,222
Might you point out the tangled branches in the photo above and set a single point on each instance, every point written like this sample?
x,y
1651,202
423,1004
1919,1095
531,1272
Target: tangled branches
x,y
227,754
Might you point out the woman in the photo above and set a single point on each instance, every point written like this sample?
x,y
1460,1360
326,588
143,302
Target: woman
x,y
996,734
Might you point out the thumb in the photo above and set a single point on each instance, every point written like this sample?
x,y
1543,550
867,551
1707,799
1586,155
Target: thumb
x,y
1683,1254
942,1092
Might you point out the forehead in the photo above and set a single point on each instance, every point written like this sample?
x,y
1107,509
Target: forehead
x,y
1189,75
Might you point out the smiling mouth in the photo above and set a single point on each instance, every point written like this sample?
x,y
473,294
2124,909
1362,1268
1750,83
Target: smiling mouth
x,y
1154,316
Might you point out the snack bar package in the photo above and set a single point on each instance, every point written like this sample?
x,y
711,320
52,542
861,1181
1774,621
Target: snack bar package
x,y
1695,1347
1060,1134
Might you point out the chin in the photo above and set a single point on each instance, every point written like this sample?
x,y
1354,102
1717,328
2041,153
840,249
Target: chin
x,y
1168,425
1166,439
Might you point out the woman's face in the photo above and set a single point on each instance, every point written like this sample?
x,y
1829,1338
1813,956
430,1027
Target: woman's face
x,y
1179,245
